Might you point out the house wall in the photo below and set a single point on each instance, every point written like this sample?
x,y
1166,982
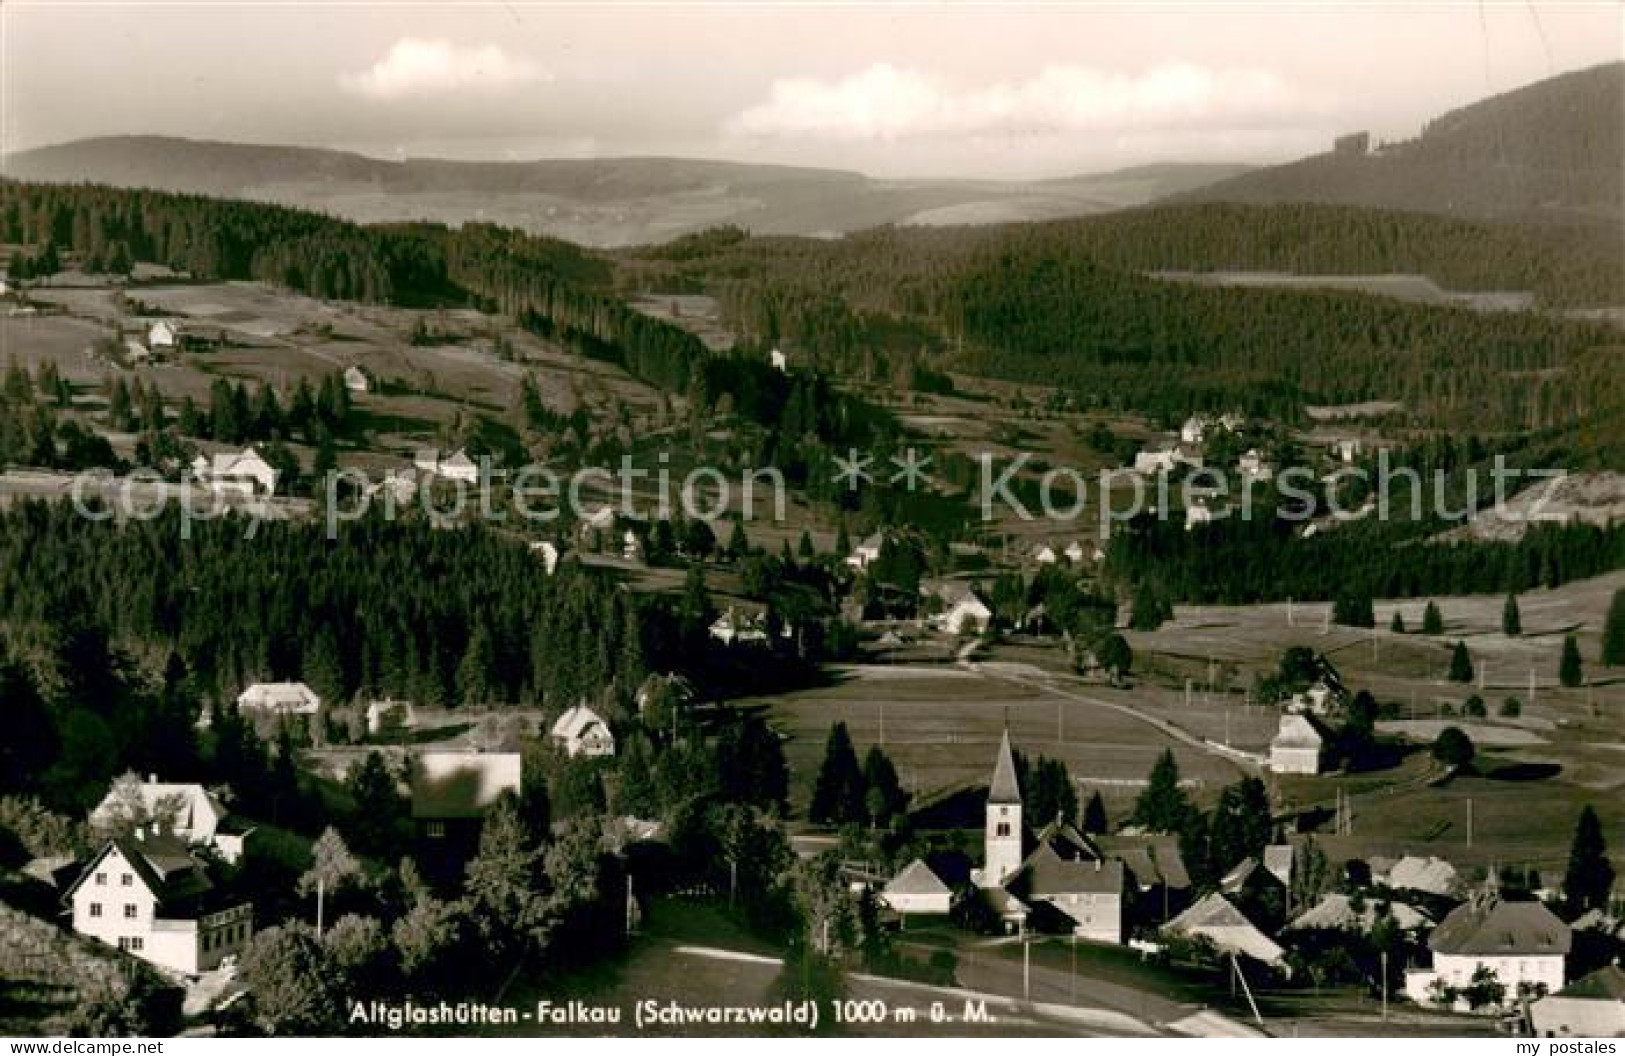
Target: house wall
x,y
1099,916
1457,971
112,895
1578,1017
1295,760
918,903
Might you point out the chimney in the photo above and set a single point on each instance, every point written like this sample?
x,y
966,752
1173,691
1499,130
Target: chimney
x,y
152,779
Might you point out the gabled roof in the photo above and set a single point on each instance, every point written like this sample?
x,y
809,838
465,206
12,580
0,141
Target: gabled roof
x,y
1491,926
290,695
1228,928
1152,860
160,862
1433,875
573,724
1278,859
1046,874
461,784
917,878
198,812
1004,788
1604,984
1336,912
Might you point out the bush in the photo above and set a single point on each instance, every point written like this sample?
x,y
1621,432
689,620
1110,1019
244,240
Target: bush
x,y
1453,747
1511,708
1474,708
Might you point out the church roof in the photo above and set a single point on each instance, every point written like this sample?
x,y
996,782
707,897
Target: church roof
x,y
1004,788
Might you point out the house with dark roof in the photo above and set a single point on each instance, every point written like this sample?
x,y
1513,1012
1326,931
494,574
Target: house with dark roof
x,y
147,895
1591,1007
1158,884
451,793
1069,876
1523,943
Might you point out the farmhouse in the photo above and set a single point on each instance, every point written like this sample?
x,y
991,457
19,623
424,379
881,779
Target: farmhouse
x,y
286,698
451,793
1216,919
1521,942
734,627
147,895
135,353
1592,1007
1046,555
1067,874
164,336
356,380
1336,912
1299,747
243,473
1195,429
188,812
1074,552
969,615
581,731
1254,466
866,551
917,890
779,361
1430,876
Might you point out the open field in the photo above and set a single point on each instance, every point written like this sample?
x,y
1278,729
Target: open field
x,y
942,725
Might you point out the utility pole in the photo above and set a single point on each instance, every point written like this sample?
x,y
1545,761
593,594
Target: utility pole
x,y
1291,620
1026,968
883,724
1469,823
1383,986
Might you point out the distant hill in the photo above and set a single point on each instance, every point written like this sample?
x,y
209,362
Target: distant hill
x,y
1549,151
609,202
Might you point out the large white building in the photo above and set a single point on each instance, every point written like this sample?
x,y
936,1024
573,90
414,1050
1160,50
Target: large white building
x,y
187,811
582,731
243,473
287,698
1521,942
148,896
1299,747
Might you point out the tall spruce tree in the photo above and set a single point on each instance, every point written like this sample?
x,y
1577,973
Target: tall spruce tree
x,y
1589,879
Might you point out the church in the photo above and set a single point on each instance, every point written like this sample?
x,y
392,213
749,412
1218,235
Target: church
x,y
1063,883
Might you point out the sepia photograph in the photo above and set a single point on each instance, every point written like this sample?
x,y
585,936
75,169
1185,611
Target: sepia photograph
x,y
812,519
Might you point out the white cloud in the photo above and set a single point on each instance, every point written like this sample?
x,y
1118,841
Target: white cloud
x,y
415,68
887,103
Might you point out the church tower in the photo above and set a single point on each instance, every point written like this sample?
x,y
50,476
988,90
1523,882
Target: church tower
x,y
1002,839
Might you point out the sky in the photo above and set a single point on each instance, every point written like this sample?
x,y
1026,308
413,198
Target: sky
x,y
894,90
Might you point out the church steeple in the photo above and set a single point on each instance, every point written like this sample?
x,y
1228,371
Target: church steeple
x,y
1001,839
1004,788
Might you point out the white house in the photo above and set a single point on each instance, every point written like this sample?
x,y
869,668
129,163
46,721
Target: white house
x,y
1198,514
135,352
631,546
1194,431
1592,1007
148,896
1046,555
356,380
287,698
968,615
917,889
164,336
187,811
1521,942
780,361
1069,874
243,473
1299,747
1150,463
580,731
1348,449
866,551
1336,912
1074,552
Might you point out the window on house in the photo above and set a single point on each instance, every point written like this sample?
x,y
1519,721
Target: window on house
x,y
129,911
436,830
101,879
1003,829
95,909
127,880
